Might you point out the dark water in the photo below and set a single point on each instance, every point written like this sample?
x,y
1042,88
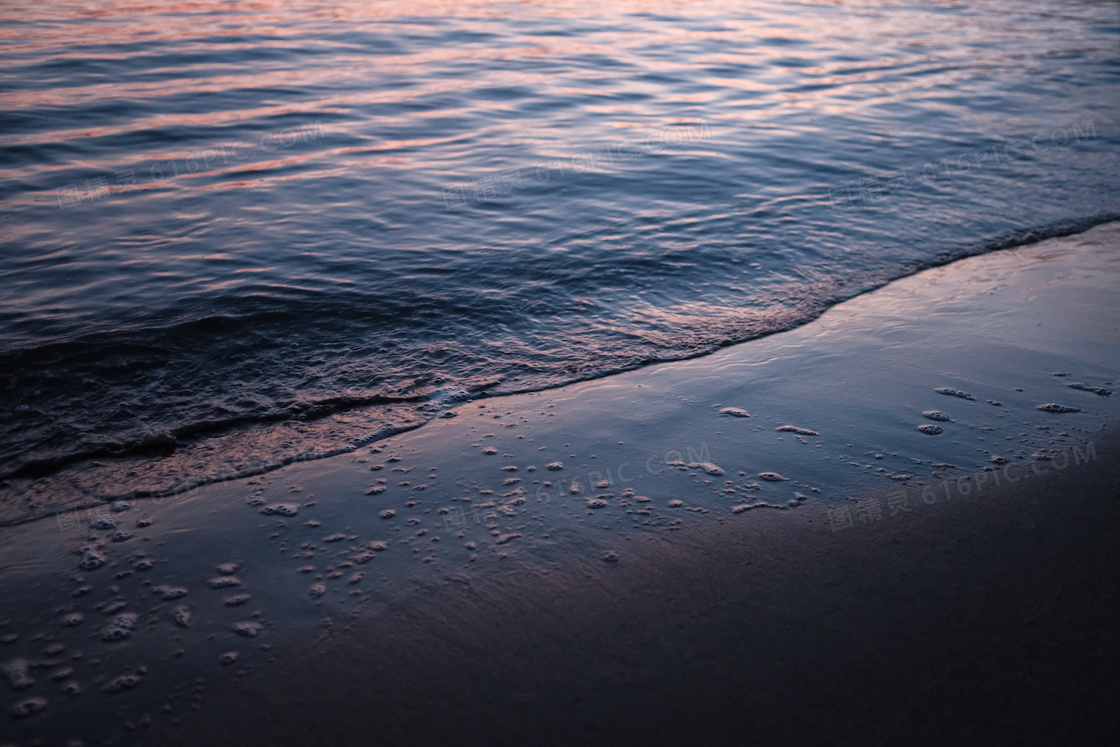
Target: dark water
x,y
245,233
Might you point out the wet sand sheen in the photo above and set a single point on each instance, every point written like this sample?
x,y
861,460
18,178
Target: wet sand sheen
x,y
970,621
618,506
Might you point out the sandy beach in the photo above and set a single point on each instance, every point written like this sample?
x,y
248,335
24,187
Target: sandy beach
x,y
895,524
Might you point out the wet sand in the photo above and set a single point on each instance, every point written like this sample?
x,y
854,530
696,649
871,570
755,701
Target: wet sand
x,y
981,619
772,542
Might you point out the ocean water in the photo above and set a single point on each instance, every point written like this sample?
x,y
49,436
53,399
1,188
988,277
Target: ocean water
x,y
239,234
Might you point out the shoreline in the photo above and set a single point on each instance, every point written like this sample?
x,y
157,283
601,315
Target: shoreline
x,y
91,481
757,443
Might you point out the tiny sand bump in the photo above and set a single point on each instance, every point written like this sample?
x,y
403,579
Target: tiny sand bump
x,y
609,556
120,628
596,503
102,521
126,681
795,429
29,707
937,415
502,539
554,466
1098,390
181,615
227,658
772,477
931,430
170,592
236,600
675,503
747,507
998,460
283,509
248,628
375,489
1056,408
708,467
228,569
953,392
317,589
388,513
734,412
18,672
224,582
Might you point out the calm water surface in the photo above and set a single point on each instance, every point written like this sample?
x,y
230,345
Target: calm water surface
x,y
251,232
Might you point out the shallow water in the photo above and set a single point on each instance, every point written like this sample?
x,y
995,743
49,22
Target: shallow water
x,y
255,233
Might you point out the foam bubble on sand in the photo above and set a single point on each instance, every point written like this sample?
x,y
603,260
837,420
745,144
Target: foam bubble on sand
x,y
72,619
675,503
248,628
170,592
931,430
126,681
18,672
734,412
102,521
120,628
953,392
1099,390
29,707
501,539
772,477
596,503
228,569
1056,408
388,513
236,600
227,658
181,615
283,509
795,429
224,582
708,467
92,557
937,415
554,466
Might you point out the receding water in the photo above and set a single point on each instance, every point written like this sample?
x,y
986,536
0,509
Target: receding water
x,y
248,233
